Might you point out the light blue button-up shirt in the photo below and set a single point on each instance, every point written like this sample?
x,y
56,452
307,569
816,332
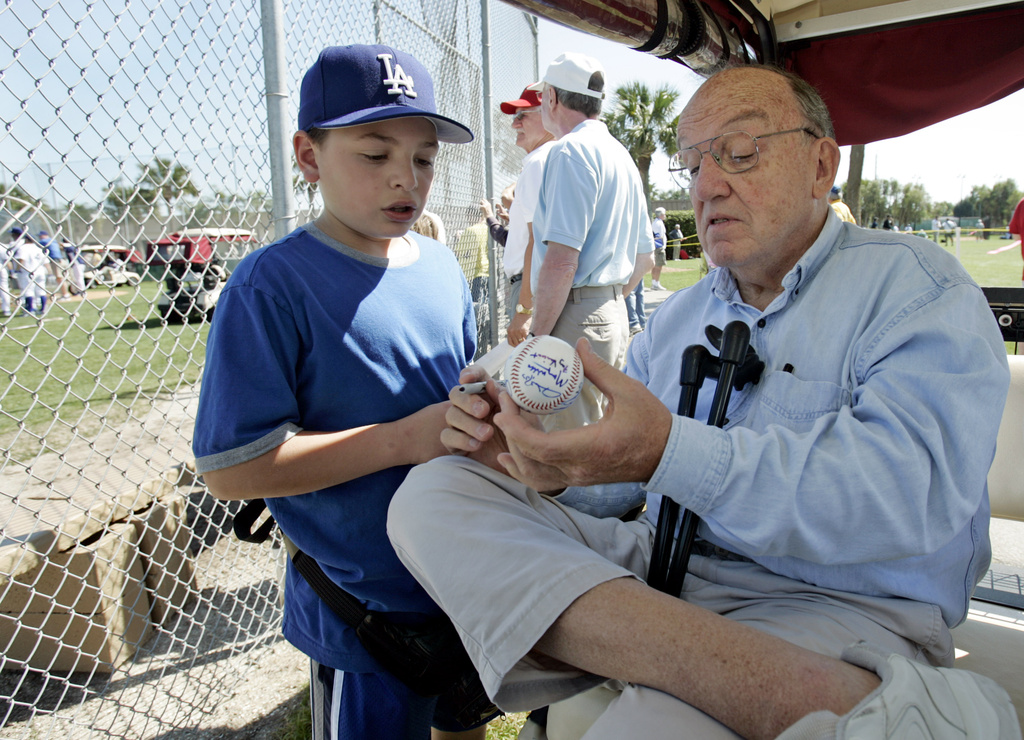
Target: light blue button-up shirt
x,y
861,466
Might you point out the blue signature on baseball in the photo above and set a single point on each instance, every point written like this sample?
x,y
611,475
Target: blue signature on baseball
x,y
548,374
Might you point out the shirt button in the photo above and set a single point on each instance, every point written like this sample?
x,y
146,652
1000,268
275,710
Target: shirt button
x,y
762,323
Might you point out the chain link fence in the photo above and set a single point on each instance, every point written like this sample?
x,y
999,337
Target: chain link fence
x,y
137,137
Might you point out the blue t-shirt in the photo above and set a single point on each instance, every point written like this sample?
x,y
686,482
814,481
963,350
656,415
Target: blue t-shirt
x,y
51,248
310,335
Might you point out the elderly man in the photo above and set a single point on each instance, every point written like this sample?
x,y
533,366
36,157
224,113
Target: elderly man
x,y
535,140
844,512
592,236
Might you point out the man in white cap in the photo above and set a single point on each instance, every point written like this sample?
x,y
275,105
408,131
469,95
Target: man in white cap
x,y
592,238
659,247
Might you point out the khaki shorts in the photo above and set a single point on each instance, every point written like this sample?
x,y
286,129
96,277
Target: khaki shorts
x,y
659,257
511,592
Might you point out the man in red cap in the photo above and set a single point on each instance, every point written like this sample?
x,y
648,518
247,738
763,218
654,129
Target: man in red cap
x,y
532,138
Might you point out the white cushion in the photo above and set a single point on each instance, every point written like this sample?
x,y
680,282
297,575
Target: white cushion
x,y
1006,477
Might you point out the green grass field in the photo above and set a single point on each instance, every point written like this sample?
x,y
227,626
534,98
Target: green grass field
x,y
92,358
1002,270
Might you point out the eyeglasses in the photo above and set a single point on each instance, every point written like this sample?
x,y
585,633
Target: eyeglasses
x,y
734,152
522,114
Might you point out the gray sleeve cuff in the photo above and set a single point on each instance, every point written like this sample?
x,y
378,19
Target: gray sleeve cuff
x,y
248,452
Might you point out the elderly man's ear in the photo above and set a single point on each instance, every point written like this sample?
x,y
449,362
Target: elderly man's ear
x,y
827,167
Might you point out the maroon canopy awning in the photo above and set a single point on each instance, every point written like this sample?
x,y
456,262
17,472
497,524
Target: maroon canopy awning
x,y
885,83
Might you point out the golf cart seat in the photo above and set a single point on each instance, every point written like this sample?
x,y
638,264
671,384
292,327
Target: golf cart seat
x,y
990,642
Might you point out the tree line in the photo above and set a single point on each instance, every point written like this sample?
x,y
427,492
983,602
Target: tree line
x,y
909,203
645,122
158,189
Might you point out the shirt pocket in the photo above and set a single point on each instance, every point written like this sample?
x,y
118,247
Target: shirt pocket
x,y
783,398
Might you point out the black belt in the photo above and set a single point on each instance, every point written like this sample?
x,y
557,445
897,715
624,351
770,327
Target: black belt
x,y
515,278
709,550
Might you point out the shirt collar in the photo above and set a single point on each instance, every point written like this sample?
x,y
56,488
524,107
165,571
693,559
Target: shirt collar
x,y
588,123
803,271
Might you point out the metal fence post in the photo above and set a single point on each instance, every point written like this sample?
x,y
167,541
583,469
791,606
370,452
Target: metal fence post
x,y
278,128
485,69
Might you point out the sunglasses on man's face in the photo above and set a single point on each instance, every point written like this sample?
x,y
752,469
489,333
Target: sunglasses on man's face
x,y
522,114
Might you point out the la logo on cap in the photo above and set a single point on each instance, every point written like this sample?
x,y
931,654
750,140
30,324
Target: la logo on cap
x,y
397,78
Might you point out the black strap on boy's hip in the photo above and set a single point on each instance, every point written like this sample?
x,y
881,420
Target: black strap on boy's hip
x,y
429,658
246,518
341,602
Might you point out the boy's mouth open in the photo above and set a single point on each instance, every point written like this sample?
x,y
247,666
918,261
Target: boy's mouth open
x,y
400,212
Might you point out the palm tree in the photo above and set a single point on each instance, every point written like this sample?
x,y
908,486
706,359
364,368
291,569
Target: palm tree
x,y
168,180
122,201
644,121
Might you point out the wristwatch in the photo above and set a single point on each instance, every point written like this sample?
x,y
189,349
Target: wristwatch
x,y
520,308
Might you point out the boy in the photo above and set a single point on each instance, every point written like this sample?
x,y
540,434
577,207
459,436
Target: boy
x,y
328,368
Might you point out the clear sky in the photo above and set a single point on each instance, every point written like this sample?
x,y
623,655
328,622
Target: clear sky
x,y
981,147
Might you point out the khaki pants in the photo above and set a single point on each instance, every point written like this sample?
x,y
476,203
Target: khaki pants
x,y
599,314
504,562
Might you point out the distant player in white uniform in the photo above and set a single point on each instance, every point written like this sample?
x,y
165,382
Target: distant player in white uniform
x,y
5,278
29,264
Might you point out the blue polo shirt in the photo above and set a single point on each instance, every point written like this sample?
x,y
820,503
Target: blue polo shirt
x,y
592,200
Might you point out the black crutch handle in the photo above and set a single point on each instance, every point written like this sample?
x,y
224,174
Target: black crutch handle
x,y
736,365
696,359
749,371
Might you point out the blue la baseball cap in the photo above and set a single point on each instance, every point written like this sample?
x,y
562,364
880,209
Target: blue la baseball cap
x,y
350,85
